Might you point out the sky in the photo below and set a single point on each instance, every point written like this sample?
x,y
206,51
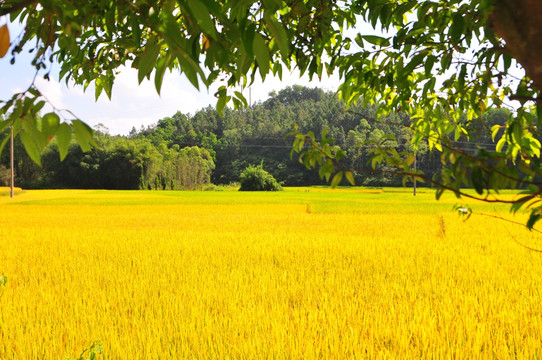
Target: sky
x,y
131,105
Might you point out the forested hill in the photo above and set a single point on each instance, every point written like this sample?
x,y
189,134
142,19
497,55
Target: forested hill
x,y
189,151
241,138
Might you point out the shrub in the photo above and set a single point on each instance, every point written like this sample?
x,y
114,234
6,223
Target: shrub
x,y
255,178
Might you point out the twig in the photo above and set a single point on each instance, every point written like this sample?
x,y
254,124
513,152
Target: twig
x,y
512,236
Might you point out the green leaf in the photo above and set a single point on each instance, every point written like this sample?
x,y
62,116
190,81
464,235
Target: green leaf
x,y
533,218
457,133
174,37
147,61
49,123
457,28
359,41
477,179
4,142
494,130
262,54
98,88
446,60
190,69
4,124
108,84
136,30
325,170
416,60
221,104
248,39
30,147
161,66
376,40
507,60
83,135
350,177
300,143
337,179
271,5
517,133
203,18
439,193
38,106
429,62
29,126
63,139
500,144
241,97
279,34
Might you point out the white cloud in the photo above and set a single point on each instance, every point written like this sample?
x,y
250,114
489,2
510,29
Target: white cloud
x,y
52,91
260,91
134,104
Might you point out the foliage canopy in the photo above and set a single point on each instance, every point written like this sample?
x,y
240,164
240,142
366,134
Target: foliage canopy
x,y
442,62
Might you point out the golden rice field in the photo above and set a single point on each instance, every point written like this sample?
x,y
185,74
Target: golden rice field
x,y
302,274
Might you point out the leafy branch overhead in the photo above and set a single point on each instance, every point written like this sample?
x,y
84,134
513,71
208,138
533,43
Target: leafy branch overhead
x,y
203,40
442,62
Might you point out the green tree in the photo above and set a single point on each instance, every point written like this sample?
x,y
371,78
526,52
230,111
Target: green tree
x,y
4,176
255,178
442,62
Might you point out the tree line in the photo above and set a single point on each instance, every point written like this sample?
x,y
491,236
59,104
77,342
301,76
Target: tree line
x,y
241,138
118,163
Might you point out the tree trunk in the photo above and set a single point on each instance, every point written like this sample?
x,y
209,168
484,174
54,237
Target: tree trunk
x,y
519,23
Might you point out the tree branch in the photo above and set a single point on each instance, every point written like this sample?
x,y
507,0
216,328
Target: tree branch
x,y
489,167
15,7
526,98
422,177
511,236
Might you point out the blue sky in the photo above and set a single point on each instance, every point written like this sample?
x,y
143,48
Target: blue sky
x,y
131,104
